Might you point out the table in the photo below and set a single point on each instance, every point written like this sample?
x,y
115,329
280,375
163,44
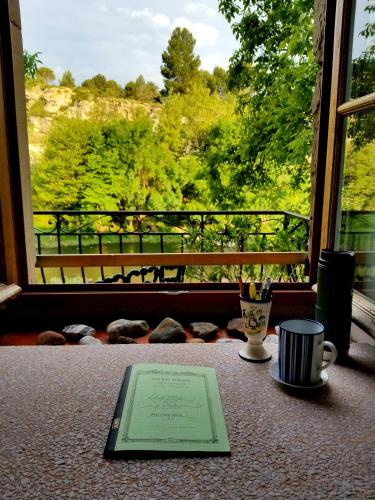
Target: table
x,y
57,404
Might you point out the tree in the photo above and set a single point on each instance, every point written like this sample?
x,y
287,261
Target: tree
x,y
96,84
100,86
113,89
67,80
93,165
217,81
184,119
141,90
180,65
30,63
46,75
274,72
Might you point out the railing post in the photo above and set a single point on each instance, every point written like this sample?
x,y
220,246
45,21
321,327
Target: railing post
x,y
202,230
58,234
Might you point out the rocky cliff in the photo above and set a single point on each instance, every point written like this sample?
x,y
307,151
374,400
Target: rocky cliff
x,y
46,103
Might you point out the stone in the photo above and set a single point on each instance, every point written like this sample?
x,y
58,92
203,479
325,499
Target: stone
x,y
235,329
204,330
137,328
196,341
168,331
50,338
122,340
127,328
89,340
74,333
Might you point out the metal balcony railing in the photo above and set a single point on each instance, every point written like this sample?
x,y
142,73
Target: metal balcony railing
x,y
89,246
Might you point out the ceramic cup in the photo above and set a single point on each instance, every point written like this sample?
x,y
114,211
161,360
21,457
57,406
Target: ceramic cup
x,y
301,344
255,316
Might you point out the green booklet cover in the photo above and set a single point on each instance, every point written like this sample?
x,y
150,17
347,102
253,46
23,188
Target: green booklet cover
x,y
168,410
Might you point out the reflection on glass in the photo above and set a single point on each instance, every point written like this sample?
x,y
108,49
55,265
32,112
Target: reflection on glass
x,y
357,230
361,71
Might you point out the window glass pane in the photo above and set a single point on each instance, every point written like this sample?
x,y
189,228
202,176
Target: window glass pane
x,y
361,68
357,228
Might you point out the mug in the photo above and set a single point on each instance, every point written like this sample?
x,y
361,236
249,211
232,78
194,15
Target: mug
x,y
301,344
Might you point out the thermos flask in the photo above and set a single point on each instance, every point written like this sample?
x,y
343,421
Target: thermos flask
x,y
334,298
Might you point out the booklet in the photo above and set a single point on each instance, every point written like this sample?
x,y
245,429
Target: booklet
x,y
168,410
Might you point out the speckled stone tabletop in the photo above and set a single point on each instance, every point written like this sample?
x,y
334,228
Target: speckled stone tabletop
x,y
57,404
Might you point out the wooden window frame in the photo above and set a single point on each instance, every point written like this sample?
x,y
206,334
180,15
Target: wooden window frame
x,y
340,108
16,248
16,235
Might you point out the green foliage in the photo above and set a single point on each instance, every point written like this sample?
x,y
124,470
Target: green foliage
x,y
361,126
55,180
217,81
96,83
105,166
45,75
274,72
99,86
184,119
199,153
81,94
30,63
221,151
67,80
113,89
358,183
141,90
180,65
38,108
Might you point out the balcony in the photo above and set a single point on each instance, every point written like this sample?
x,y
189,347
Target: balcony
x,y
194,246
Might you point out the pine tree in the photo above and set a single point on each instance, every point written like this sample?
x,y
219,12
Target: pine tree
x,y
180,65
67,80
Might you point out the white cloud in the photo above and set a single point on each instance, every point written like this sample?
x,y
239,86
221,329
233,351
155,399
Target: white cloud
x,y
123,10
205,34
200,8
135,13
101,6
211,12
209,61
140,13
195,7
161,20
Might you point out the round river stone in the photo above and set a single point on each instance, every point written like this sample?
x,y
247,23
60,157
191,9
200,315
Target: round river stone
x,y
50,338
204,330
168,331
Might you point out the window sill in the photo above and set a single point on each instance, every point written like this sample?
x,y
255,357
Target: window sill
x,y
364,313
8,292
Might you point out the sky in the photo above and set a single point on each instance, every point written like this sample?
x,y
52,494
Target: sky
x,y
121,38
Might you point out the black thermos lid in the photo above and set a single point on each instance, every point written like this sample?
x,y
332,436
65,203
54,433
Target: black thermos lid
x,y
340,257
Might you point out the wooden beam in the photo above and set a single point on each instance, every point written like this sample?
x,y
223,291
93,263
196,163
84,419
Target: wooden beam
x,y
324,22
17,236
52,310
170,259
336,123
366,102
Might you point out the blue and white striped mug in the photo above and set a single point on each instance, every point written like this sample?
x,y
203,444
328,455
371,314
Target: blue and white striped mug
x,y
301,344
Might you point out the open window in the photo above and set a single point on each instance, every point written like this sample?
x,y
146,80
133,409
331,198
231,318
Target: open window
x,y
16,248
349,204
18,259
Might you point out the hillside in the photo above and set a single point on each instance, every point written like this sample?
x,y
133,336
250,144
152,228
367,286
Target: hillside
x,y
45,103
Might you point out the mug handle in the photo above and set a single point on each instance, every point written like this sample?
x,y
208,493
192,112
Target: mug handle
x,y
333,355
